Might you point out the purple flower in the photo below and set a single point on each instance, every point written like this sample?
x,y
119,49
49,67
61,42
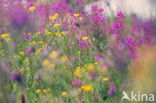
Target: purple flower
x,y
27,37
76,83
106,64
93,75
112,90
117,26
97,58
16,76
95,99
83,43
30,50
120,15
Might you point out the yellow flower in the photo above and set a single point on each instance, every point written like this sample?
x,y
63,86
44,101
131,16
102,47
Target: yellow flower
x,y
21,53
52,17
62,32
47,63
79,52
64,93
105,78
38,91
56,14
54,54
57,25
90,67
5,35
96,63
85,38
45,91
49,33
56,33
32,8
64,59
33,42
80,18
78,72
87,88
76,14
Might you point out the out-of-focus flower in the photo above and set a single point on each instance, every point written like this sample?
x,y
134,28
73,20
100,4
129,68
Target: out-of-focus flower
x,y
64,93
112,90
53,17
57,25
38,91
117,26
105,79
93,75
120,15
97,58
47,63
32,8
83,43
21,53
27,37
16,76
76,14
5,35
87,88
78,72
85,38
45,91
54,54
90,67
95,99
64,59
30,50
76,83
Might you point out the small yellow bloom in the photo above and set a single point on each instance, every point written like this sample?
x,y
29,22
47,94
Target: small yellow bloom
x,y
47,63
87,88
64,59
32,8
105,78
45,91
56,14
76,14
96,63
33,42
79,52
85,38
52,17
56,33
90,67
57,25
64,93
80,18
54,54
21,53
62,32
5,35
78,72
38,91
49,33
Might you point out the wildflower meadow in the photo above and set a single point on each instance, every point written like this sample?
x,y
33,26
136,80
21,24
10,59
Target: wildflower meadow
x,y
55,51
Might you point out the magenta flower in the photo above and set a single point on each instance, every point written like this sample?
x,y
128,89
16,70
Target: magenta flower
x,y
76,83
93,75
16,76
97,58
112,90
120,15
27,37
30,50
83,43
